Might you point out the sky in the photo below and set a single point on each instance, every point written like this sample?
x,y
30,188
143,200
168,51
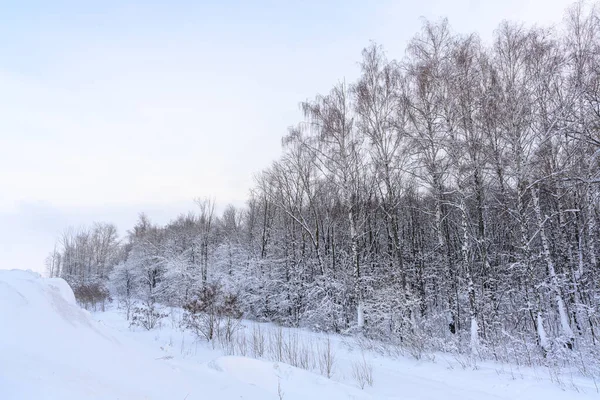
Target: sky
x,y
112,108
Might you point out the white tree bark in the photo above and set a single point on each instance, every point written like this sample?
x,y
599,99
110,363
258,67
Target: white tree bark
x,y
555,286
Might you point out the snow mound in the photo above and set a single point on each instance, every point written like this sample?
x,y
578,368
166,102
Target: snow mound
x,y
52,349
292,382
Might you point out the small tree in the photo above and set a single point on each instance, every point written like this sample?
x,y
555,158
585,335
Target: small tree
x,y
212,313
90,295
232,314
147,316
124,286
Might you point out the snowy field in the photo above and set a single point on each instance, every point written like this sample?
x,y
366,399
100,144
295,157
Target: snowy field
x,y
52,349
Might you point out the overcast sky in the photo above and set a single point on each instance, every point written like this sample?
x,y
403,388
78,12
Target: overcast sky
x,y
111,109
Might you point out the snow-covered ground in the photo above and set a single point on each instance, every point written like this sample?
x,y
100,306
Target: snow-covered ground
x,y
52,349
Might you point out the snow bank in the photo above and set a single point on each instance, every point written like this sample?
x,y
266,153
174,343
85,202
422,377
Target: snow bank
x,y
52,349
293,383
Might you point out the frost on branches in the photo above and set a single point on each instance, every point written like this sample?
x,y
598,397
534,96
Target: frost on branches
x,y
447,201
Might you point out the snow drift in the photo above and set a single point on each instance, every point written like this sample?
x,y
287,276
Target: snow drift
x,y
52,349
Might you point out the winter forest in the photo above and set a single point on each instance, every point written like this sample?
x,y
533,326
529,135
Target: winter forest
x,y
444,201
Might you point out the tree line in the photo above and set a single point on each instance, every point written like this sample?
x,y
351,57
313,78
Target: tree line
x,y
446,200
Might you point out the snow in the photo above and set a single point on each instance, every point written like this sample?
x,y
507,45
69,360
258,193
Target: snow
x,y
295,383
52,349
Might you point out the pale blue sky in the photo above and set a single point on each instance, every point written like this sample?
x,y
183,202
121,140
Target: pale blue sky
x,y
110,108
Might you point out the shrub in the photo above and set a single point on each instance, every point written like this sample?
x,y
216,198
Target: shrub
x,y
90,295
146,316
362,371
212,313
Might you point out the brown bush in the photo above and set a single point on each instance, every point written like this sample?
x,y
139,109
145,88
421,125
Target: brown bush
x,y
91,295
213,313
146,316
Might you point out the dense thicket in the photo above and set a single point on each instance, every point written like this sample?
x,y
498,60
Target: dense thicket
x,y
447,200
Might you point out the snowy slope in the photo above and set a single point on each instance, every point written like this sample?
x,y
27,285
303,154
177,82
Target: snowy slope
x,y
295,383
448,377
52,349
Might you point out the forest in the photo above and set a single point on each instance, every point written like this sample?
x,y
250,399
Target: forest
x,y
447,200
